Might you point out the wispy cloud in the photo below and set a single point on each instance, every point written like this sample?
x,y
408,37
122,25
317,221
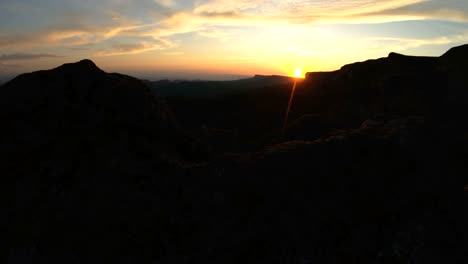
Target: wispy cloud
x,y
399,44
227,6
8,70
50,37
19,40
119,27
26,56
301,11
425,13
226,14
135,48
166,3
223,13
9,66
267,13
221,35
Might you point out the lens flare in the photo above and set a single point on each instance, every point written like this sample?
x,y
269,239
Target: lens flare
x,y
285,122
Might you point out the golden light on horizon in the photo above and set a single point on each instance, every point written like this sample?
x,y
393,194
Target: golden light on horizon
x,y
298,73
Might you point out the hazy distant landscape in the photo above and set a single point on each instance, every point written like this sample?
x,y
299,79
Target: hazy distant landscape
x,y
199,88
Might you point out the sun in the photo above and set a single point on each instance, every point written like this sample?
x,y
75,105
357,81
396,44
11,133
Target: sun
x,y
298,73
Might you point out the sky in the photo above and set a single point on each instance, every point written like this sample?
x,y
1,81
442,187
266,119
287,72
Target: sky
x,y
206,39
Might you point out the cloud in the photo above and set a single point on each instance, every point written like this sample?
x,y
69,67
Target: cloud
x,y
68,37
229,14
19,41
135,48
152,24
400,44
166,3
52,37
7,71
265,13
221,35
174,53
302,11
9,66
26,56
426,12
227,6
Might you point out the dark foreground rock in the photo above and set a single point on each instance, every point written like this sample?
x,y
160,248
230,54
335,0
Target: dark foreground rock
x,y
381,193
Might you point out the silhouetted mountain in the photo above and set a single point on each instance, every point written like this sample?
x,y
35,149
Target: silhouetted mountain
x,y
81,105
370,170
77,143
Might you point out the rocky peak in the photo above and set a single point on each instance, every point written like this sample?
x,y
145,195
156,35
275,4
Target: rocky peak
x,y
460,51
456,60
82,67
395,55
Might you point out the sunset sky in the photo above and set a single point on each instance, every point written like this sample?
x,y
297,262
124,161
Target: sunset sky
x,y
210,38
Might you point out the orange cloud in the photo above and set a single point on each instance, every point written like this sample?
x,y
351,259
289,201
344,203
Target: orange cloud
x,y
135,48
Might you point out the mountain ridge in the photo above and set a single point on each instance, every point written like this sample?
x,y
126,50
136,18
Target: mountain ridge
x,y
459,51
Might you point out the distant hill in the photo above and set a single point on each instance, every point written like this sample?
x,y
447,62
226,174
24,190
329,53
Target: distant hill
x,y
165,88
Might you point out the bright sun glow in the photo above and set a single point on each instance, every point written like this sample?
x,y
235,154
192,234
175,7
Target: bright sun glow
x,y
298,73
